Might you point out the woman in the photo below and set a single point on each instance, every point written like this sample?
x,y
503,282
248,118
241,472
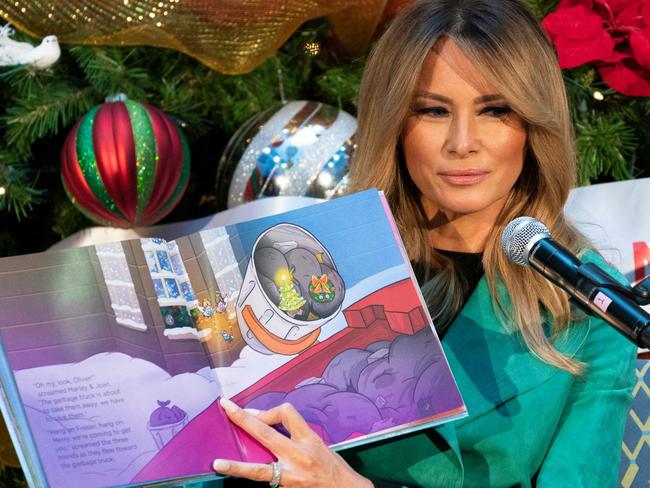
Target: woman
x,y
463,122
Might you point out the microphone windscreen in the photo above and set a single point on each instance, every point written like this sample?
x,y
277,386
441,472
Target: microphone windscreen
x,y
519,235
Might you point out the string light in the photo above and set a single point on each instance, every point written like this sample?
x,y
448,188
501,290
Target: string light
x,y
2,191
312,48
599,96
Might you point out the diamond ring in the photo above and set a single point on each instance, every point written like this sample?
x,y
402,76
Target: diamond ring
x,y
277,474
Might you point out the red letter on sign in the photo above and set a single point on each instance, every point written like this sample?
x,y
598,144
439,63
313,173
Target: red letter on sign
x,y
641,259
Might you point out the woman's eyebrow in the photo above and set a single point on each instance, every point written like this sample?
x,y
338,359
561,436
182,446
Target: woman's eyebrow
x,y
433,96
442,98
489,98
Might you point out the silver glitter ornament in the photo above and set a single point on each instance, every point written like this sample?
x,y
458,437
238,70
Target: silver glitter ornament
x,y
299,148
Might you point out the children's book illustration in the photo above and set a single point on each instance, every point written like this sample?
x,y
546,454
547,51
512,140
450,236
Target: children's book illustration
x,y
289,291
114,356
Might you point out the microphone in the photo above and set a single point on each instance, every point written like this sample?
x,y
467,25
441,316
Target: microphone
x,y
527,242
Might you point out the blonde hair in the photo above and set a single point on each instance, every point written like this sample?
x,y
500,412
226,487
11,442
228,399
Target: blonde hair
x,y
505,43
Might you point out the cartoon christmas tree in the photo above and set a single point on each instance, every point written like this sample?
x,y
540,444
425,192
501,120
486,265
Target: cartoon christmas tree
x,y
290,299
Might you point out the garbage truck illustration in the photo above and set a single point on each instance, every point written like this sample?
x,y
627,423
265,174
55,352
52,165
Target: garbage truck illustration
x,y
291,288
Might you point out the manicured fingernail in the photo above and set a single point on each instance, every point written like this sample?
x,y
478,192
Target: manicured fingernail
x,y
228,405
220,465
252,411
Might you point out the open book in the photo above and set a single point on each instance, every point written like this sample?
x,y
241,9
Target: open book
x,y
113,356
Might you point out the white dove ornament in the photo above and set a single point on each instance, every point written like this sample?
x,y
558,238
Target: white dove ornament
x,y
14,53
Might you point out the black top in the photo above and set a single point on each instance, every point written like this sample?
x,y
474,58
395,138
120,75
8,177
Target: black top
x,y
469,269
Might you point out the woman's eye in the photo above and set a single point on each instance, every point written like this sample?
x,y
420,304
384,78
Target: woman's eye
x,y
496,111
433,111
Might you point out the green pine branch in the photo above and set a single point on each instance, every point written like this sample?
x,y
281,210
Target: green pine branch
x,y
609,127
19,187
541,8
341,84
606,145
26,81
51,109
110,70
69,219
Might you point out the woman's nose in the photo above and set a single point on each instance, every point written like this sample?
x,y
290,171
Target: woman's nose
x,y
463,138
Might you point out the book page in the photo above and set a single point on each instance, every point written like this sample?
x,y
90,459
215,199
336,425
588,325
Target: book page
x,y
106,360
318,307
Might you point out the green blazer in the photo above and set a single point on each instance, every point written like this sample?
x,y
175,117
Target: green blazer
x,y
529,424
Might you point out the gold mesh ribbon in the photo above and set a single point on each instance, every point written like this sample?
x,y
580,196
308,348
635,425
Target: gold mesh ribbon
x,y
230,36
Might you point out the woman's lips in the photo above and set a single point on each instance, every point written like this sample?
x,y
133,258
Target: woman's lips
x,y
464,177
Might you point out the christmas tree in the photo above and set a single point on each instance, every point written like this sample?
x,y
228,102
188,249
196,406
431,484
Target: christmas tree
x,y
40,107
290,299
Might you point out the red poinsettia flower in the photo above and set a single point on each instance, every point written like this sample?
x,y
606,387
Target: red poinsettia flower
x,y
613,34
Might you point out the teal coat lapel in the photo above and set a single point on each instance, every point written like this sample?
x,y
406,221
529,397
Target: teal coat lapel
x,y
492,364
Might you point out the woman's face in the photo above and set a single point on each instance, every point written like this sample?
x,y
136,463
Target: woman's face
x,y
464,147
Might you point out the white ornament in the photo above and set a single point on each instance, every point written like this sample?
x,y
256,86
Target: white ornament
x,y
13,53
301,148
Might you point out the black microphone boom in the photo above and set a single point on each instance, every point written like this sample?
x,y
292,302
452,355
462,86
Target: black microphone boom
x,y
526,241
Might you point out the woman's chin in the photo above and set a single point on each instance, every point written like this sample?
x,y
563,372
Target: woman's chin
x,y
464,208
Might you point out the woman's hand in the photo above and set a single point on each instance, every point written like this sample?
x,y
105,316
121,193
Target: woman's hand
x,y
304,458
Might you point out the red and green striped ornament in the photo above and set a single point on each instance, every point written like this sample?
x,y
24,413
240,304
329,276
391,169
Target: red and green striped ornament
x,y
125,164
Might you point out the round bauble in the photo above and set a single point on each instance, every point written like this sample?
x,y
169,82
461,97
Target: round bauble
x,y
125,164
299,148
